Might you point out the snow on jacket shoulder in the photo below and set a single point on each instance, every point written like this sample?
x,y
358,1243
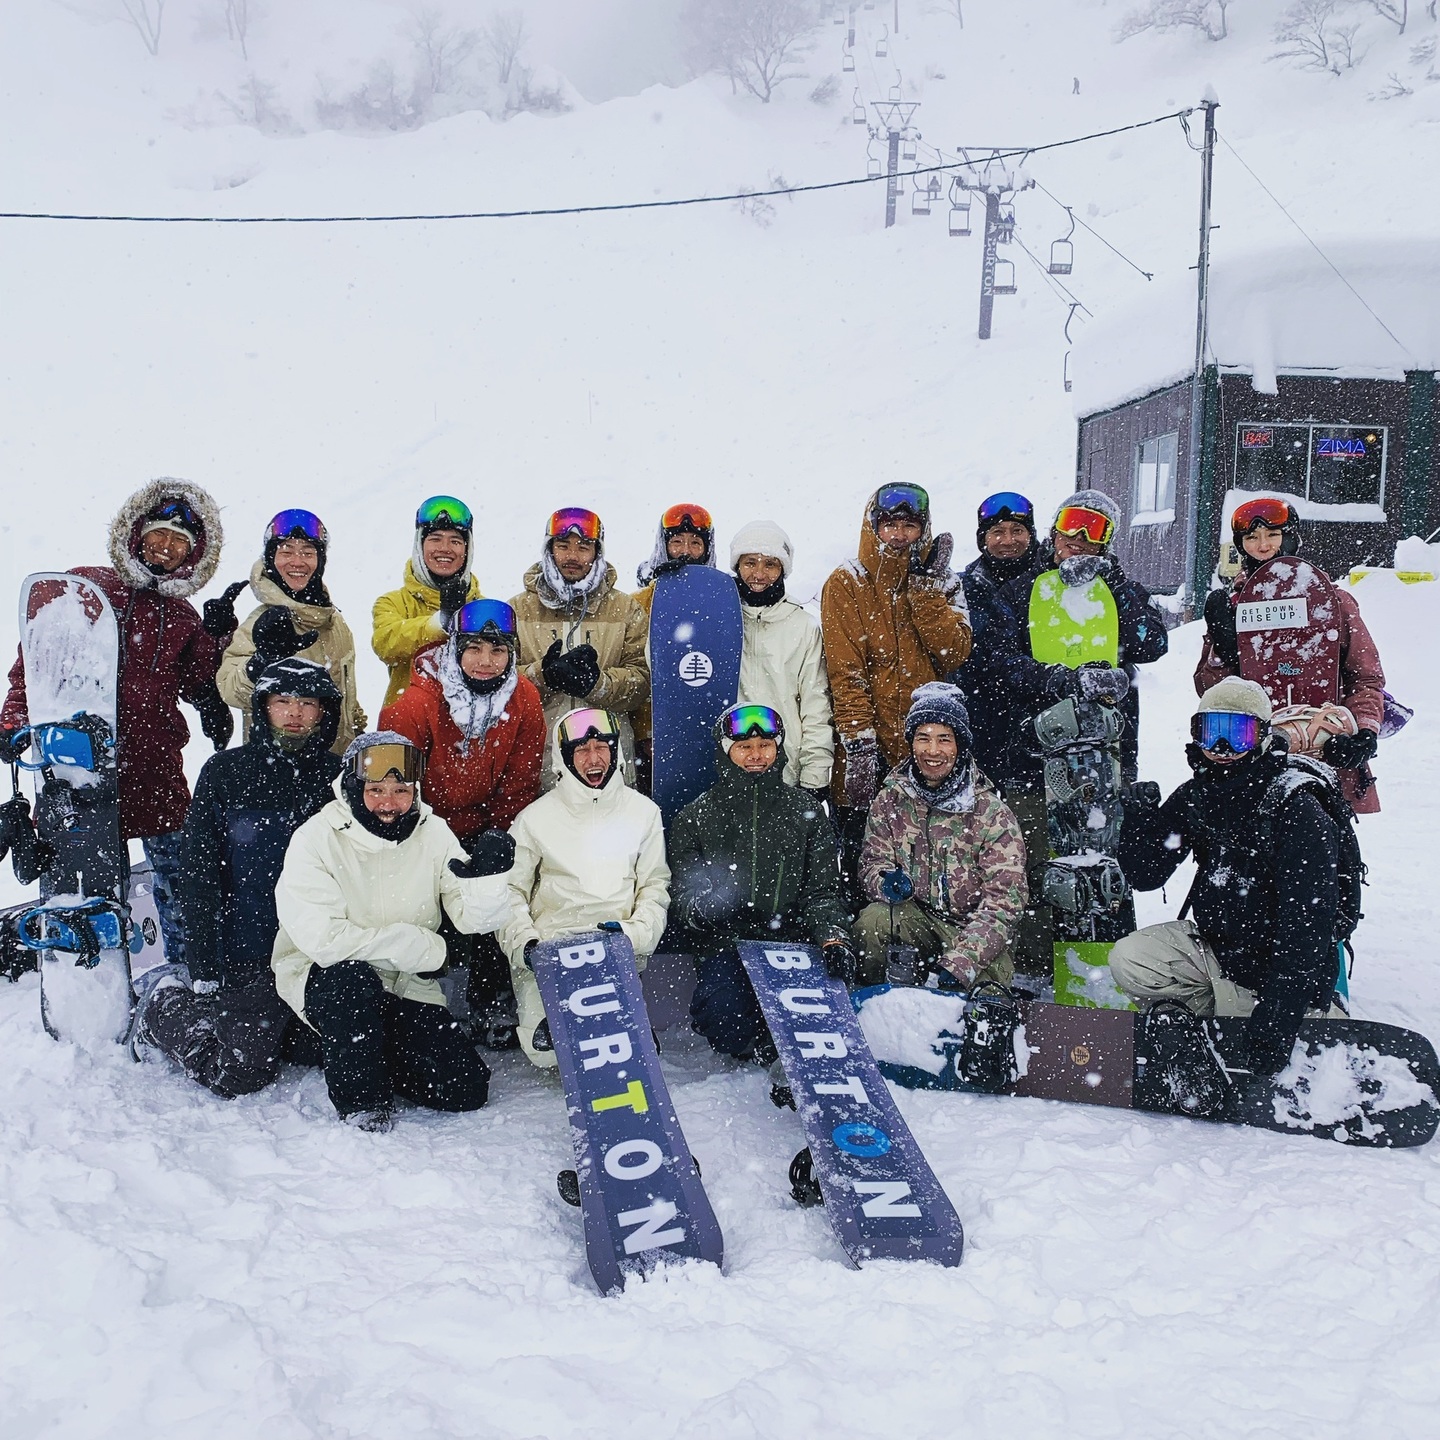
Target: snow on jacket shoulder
x,y
404,624
345,894
473,785
334,649
782,665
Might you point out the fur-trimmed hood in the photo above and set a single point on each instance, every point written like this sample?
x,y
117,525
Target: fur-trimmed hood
x,y
200,565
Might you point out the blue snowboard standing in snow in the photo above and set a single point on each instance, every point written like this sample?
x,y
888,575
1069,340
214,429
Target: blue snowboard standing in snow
x,y
640,1191
695,641
880,1194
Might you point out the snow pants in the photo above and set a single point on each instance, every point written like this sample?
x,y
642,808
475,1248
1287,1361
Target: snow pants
x,y
163,853
936,938
233,1042
724,1008
377,1046
1034,944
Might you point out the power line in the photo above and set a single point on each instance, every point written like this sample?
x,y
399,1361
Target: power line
x,y
1094,232
1315,247
997,154
1062,292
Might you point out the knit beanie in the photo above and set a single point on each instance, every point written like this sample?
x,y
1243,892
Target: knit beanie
x,y
763,537
936,703
1234,696
1091,500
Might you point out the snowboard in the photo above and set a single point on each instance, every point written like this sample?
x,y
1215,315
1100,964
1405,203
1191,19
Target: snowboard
x,y
1090,902
70,643
1287,620
640,1193
695,642
882,1199
1353,1081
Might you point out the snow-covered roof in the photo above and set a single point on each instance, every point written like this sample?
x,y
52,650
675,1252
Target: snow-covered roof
x,y
1273,312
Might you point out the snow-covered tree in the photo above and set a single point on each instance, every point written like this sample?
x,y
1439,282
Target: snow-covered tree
x,y
1207,16
757,44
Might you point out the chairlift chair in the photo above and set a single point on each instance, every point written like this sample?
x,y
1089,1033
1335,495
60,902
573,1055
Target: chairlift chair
x,y
857,115
919,198
1069,382
1062,257
908,150
882,45
1005,223
960,217
872,167
847,63
1004,277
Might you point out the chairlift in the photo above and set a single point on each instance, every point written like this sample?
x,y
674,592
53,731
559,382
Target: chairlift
x,y
960,217
1069,382
895,88
1062,252
840,16
857,114
868,5
933,186
872,160
1005,222
847,63
1004,277
908,150
920,197
882,45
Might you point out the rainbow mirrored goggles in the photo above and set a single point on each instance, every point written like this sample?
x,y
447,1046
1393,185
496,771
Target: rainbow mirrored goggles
x,y
575,521
389,760
481,619
297,525
1240,734
588,724
1266,510
1096,526
1007,504
687,517
444,512
898,499
746,722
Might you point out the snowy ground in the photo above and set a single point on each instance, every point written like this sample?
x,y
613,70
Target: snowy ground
x,y
171,1266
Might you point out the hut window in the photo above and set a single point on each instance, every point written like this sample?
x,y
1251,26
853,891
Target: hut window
x,y
1325,464
1155,477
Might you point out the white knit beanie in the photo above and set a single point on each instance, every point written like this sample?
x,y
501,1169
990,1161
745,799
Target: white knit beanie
x,y
763,537
1234,696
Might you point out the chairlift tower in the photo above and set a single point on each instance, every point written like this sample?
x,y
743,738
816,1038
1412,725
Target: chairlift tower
x,y
894,117
998,181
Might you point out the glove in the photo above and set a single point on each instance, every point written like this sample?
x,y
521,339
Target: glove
x,y
453,592
529,955
896,887
820,795
204,987
936,564
1061,683
1101,682
1266,1054
575,672
275,638
1350,752
862,772
492,852
217,724
14,822
712,898
611,927
1220,627
10,751
219,615
841,961
1145,794
1082,569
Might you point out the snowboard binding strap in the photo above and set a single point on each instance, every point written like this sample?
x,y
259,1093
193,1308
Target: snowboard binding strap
x,y
85,931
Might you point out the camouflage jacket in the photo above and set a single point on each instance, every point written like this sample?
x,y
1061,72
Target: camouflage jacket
x,y
967,865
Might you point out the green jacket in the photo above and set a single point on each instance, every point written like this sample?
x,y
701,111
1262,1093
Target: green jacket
x,y
750,851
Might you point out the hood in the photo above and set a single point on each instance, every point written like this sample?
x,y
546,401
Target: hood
x,y
309,614
730,779
296,677
342,818
659,559
871,550
417,570
202,562
536,584
576,794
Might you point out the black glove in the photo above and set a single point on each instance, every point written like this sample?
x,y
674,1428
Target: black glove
x,y
14,822
1145,794
1266,1054
841,961
454,590
274,636
575,672
492,852
10,752
820,795
529,955
712,898
1350,752
1060,683
1105,683
219,615
1220,627
217,724
936,564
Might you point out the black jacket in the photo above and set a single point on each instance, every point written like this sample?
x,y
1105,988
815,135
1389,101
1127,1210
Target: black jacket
x,y
1267,910
996,680
754,859
248,803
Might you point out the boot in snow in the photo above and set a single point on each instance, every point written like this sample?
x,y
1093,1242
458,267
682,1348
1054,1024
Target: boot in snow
x,y
1182,1072
138,1039
373,1122
986,1058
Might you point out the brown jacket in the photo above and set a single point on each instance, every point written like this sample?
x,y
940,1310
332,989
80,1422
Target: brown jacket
x,y
1361,688
887,632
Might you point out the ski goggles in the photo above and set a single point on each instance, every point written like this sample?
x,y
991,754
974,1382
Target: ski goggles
x,y
444,512
1094,525
687,517
1007,505
588,724
575,521
1266,510
480,618
897,499
1239,733
176,509
297,525
379,762
746,722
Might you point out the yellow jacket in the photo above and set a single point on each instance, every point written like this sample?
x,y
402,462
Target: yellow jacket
x,y
405,623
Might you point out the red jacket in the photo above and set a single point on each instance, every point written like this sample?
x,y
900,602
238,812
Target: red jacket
x,y
488,787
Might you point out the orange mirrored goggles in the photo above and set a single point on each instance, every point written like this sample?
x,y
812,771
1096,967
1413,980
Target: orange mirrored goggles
x,y
389,761
686,517
1094,525
1264,510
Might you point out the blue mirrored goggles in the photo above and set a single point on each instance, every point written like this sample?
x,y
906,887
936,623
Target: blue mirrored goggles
x,y
1008,503
297,525
485,618
1214,729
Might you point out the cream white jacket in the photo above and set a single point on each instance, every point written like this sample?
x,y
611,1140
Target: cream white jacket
x,y
583,856
783,665
345,894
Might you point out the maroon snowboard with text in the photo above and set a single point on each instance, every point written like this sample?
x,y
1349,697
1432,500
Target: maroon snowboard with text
x,y
1287,620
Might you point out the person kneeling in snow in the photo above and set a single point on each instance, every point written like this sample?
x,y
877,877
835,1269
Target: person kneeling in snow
x,y
218,1015
358,948
945,849
754,859
1262,939
589,855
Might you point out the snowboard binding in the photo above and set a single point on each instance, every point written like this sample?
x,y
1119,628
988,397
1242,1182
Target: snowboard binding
x,y
985,1059
84,931
1084,885
1183,1072
803,1185
1080,740
84,742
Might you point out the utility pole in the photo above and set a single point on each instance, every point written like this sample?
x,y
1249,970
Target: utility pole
x,y
987,267
1195,468
995,180
894,117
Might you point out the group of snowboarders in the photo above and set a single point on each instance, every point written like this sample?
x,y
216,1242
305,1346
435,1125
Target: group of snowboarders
x,y
878,788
